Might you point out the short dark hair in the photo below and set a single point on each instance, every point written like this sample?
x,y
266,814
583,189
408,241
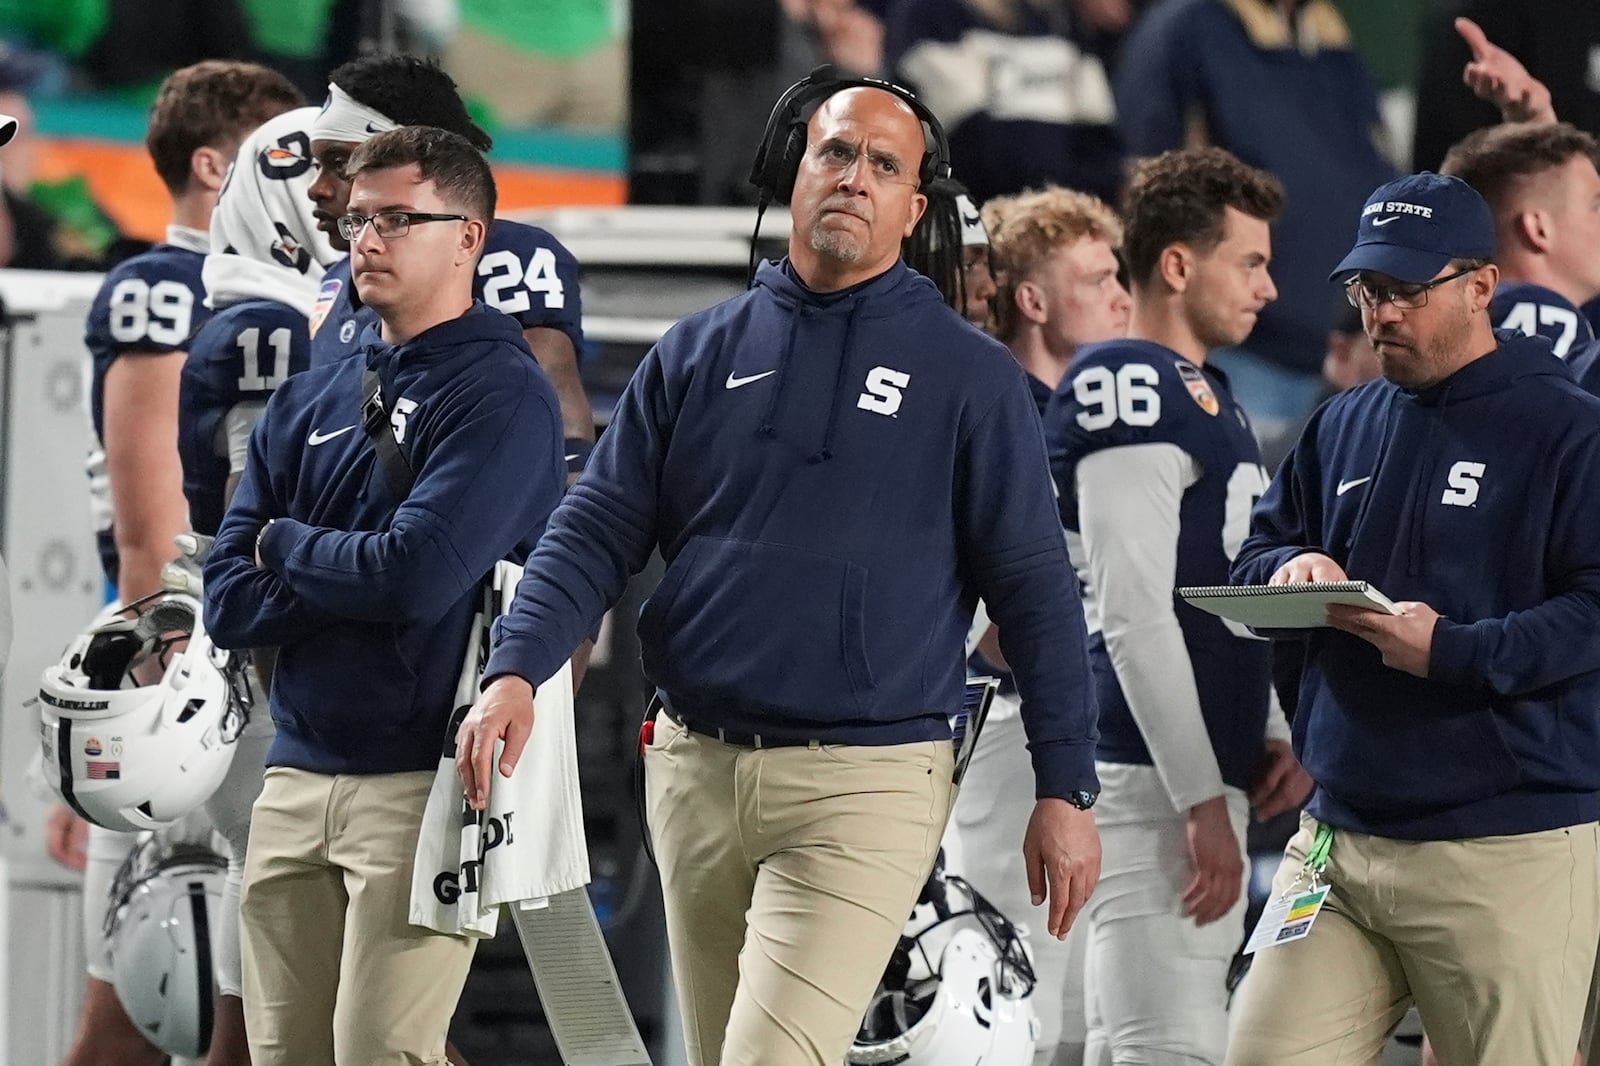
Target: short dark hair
x,y
1492,159
412,92
214,104
456,168
1180,197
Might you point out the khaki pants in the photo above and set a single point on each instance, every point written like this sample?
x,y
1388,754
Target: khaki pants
x,y
334,974
788,874
1494,938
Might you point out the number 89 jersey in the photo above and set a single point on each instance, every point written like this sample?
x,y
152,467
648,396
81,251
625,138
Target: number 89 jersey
x,y
524,272
1127,393
151,303
240,356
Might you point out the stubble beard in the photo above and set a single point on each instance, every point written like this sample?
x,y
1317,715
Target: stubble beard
x,y
837,245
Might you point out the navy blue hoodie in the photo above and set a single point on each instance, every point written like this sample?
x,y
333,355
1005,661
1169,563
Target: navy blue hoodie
x,y
370,602
1476,497
833,480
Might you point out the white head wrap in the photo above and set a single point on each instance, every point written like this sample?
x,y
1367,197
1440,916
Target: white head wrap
x,y
972,232
265,243
343,118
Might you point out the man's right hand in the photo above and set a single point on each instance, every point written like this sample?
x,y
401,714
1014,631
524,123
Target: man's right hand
x,y
1218,865
1497,76
503,712
1310,566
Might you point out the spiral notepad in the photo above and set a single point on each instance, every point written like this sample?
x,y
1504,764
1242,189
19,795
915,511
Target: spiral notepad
x,y
1303,606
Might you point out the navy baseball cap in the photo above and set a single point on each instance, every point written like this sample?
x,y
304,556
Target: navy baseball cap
x,y
1411,228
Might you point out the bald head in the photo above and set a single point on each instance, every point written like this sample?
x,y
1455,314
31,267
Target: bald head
x,y
855,195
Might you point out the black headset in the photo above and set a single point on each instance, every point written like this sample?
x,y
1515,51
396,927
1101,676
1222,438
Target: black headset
x,y
783,144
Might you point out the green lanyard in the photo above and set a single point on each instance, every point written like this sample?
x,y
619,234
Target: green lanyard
x,y
1317,857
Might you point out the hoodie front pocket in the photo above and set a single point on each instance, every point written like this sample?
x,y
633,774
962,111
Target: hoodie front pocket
x,y
769,626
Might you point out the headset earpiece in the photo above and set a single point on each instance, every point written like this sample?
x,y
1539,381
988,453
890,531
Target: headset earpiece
x,y
794,150
775,168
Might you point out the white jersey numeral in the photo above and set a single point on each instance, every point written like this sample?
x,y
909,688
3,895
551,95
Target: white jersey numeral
x,y
509,285
1246,485
250,347
161,313
1528,317
1128,396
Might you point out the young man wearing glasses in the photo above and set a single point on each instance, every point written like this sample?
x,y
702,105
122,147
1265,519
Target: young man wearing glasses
x,y
1456,744
368,597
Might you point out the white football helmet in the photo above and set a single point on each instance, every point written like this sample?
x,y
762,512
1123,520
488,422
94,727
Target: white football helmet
x,y
165,904
957,991
128,752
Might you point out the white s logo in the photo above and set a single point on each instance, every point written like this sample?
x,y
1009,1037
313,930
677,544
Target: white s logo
x,y
883,390
1463,482
397,418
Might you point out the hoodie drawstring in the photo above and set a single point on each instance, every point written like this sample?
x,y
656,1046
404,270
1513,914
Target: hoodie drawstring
x,y
1377,471
825,453
766,428
1419,489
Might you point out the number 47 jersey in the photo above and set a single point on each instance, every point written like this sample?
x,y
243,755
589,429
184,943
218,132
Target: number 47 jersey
x,y
524,272
1132,394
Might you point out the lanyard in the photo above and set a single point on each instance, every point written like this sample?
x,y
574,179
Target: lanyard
x,y
1317,857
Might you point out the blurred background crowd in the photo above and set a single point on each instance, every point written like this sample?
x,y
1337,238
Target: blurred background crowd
x,y
662,102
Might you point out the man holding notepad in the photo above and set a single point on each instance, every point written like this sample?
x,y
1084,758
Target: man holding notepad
x,y
1455,744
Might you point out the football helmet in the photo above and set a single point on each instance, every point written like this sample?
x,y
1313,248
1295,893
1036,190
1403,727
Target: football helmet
x,y
139,717
956,992
165,904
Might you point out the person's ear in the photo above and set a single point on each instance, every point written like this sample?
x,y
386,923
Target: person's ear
x,y
1480,287
1175,267
208,167
919,204
473,235
1534,228
1030,302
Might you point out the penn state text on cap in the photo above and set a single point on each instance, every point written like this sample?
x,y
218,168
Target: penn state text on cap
x,y
1411,228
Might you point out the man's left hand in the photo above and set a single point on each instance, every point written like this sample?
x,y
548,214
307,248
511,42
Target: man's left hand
x,y
1405,639
1062,853
1283,784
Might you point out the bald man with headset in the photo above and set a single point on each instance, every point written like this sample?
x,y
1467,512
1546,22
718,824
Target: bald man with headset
x,y
835,467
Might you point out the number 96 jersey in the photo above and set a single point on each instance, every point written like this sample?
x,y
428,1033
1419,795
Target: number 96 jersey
x,y
524,271
240,356
1131,393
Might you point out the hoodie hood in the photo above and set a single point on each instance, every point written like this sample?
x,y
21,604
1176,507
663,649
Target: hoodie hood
x,y
878,297
1518,357
447,340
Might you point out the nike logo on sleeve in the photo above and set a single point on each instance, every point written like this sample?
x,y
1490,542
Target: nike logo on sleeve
x,y
1346,486
318,437
734,381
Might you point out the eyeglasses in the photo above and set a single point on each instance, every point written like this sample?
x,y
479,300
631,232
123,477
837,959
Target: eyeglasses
x,y
1367,296
390,223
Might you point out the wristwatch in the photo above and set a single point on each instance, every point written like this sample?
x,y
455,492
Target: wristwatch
x,y
1082,799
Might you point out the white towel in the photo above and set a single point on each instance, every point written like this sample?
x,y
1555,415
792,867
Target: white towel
x,y
529,844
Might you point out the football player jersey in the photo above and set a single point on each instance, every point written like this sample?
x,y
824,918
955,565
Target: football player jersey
x,y
151,303
1537,311
243,353
524,272
1127,393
